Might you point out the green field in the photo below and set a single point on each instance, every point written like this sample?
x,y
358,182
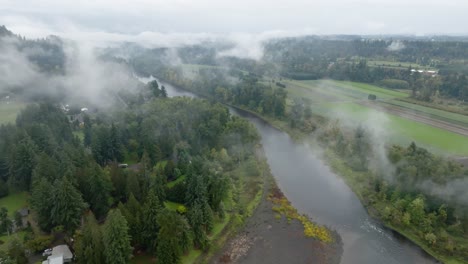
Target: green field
x,y
432,112
402,131
14,202
171,205
341,100
8,112
338,91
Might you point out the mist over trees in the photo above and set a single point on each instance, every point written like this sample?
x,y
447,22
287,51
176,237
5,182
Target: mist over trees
x,y
168,138
399,192
143,172
336,57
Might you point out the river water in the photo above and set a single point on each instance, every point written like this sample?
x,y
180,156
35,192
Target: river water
x,y
315,190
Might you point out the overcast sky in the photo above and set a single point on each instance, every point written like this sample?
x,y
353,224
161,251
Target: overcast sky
x,y
145,19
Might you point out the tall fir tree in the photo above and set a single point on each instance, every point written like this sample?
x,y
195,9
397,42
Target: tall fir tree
x,y
41,202
151,209
174,237
117,248
67,205
89,247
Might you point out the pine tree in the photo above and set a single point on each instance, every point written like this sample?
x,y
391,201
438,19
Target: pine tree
x,y
196,189
147,163
154,87
133,214
150,228
174,237
133,186
42,203
159,186
46,167
89,245
22,161
87,131
163,92
100,187
169,170
67,205
5,223
115,148
116,239
197,222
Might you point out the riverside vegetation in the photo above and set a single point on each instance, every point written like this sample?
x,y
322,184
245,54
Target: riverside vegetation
x,y
398,188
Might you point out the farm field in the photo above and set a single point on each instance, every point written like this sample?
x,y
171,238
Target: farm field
x,y
318,90
432,112
401,122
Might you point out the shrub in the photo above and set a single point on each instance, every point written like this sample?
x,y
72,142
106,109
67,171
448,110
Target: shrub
x,y
181,209
39,243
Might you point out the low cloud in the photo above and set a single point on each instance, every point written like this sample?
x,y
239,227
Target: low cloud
x,y
84,77
396,46
242,44
453,191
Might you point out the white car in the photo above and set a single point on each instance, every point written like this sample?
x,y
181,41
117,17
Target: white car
x,y
47,252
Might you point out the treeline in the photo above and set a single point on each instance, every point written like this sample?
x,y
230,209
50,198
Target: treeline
x,y
312,58
193,143
404,191
424,86
234,87
307,49
47,54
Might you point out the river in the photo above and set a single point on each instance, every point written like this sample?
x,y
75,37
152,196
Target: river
x,y
315,190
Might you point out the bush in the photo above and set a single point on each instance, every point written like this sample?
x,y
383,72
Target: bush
x,y
430,238
372,97
181,209
39,243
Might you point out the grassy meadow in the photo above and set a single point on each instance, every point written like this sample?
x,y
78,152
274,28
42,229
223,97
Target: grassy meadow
x,y
8,112
342,100
15,201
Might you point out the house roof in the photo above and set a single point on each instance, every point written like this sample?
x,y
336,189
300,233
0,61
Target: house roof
x,y
62,250
58,259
